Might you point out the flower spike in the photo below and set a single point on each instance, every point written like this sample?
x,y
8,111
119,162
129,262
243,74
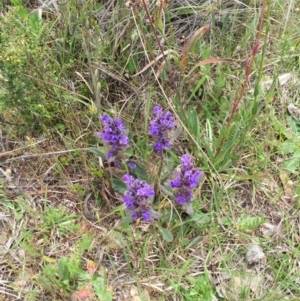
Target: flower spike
x,y
161,124
115,134
185,179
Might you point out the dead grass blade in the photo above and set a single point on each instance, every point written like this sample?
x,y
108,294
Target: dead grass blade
x,y
192,40
153,62
211,61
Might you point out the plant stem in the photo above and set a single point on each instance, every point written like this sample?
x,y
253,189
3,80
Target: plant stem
x,y
248,69
164,57
157,182
249,65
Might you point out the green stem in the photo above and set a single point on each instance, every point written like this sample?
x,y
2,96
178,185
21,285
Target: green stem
x,y
157,182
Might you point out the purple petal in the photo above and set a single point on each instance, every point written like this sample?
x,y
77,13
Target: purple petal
x,y
119,124
153,130
157,110
186,161
128,201
128,179
134,215
123,140
176,183
146,191
106,119
183,197
194,178
146,215
158,147
131,165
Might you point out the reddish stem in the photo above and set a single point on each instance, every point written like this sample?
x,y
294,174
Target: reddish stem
x,y
248,69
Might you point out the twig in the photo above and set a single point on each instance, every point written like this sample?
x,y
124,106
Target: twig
x,y
44,154
20,148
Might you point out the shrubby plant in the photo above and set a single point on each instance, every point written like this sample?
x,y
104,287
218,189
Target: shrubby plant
x,y
139,195
18,45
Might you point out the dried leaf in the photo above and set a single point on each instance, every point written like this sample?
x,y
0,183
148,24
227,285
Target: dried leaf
x,y
287,185
168,51
210,61
23,279
91,267
6,174
133,291
160,69
192,40
84,293
268,229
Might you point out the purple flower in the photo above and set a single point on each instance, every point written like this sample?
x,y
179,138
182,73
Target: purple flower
x,y
115,135
136,198
186,178
161,124
131,165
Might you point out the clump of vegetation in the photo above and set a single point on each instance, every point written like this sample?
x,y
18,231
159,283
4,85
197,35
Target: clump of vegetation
x,y
163,93
21,40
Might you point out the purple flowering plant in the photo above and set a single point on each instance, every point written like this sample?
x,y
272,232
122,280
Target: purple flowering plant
x,y
115,136
138,195
137,199
161,125
185,179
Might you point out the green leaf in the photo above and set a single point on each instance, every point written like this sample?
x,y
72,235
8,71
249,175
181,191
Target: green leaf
x,y
201,218
287,147
247,222
226,221
85,243
166,234
292,164
294,124
115,240
168,167
100,289
35,23
98,151
140,172
63,270
118,186
22,12
193,124
127,220
188,207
